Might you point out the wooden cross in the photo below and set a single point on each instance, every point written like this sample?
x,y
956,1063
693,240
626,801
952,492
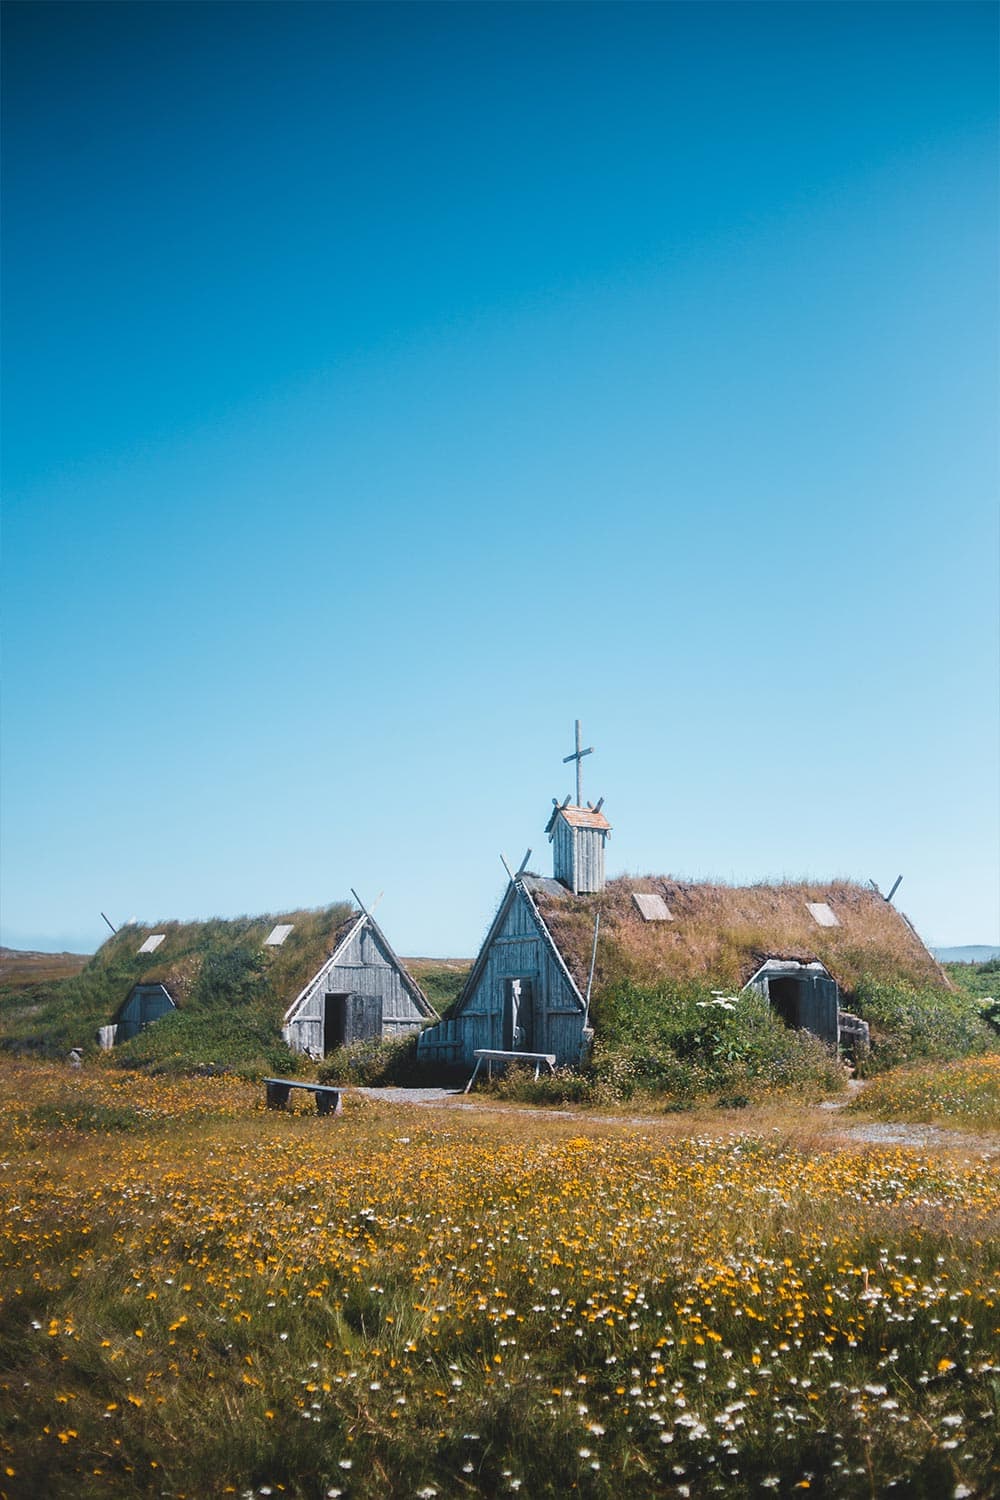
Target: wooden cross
x,y
578,755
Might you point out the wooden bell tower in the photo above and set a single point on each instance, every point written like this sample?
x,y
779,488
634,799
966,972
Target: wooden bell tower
x,y
578,834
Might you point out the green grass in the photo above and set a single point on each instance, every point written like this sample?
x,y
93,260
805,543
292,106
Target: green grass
x,y
440,979
219,1299
977,980
910,1025
376,1062
687,1042
231,993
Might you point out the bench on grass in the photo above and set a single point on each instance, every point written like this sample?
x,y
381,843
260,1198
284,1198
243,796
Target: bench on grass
x,y
490,1055
327,1099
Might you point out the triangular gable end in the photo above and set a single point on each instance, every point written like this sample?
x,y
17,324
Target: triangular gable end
x,y
516,889
352,935
348,932
520,996
553,947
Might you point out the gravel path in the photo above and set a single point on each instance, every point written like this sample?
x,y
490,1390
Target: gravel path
x,y
411,1096
872,1132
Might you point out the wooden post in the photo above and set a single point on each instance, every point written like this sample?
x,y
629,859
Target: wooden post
x,y
593,961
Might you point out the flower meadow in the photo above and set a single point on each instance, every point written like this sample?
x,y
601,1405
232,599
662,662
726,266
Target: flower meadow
x,y
964,1093
200,1298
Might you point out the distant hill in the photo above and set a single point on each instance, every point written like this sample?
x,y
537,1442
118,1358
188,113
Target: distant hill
x,y
441,979
20,968
972,953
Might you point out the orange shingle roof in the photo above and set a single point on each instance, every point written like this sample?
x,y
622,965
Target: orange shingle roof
x,y
581,817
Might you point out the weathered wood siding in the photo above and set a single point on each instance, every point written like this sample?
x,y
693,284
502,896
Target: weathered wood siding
x,y
362,967
819,1008
517,950
578,857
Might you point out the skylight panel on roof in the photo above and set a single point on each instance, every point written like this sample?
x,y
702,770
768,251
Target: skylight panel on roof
x,y
822,914
152,942
652,908
277,935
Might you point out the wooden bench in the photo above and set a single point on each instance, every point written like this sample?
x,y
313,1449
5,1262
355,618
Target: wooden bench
x,y
490,1055
328,1099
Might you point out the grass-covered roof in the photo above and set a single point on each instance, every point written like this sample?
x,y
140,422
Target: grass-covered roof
x,y
203,965
721,934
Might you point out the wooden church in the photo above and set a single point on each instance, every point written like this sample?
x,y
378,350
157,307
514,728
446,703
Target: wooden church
x,y
555,941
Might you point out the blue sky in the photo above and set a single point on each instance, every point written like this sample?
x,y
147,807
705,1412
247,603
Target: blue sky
x,y
388,386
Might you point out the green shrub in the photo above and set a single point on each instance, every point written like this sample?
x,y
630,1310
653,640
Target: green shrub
x,y
233,976
228,1023
564,1086
245,1042
910,1024
686,1041
682,1043
373,1063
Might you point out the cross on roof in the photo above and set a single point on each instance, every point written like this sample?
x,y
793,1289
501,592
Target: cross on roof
x,y
578,755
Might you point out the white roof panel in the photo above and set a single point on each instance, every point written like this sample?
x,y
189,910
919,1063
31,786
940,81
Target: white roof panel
x,y
652,908
152,942
277,935
822,914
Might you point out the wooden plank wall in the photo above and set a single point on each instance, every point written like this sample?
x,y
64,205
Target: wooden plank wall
x,y
517,952
819,1008
578,857
363,968
147,1003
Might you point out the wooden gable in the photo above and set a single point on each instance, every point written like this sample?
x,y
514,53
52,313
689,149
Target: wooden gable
x,y
519,996
362,990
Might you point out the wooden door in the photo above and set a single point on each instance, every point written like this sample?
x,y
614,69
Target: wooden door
x,y
366,1017
350,1017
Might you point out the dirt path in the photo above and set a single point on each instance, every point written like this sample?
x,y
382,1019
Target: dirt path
x,y
868,1132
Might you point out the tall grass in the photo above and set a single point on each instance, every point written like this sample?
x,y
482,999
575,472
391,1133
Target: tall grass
x,y
963,1093
718,932
221,1300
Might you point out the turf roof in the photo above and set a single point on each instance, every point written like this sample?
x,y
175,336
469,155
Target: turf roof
x,y
722,933
178,959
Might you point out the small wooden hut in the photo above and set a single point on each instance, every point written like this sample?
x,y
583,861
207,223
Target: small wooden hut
x,y
361,990
144,1004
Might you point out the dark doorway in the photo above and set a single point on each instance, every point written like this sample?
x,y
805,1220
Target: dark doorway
x,y
785,997
350,1018
518,1015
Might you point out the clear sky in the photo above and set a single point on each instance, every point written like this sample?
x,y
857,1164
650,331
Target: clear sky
x,y
388,386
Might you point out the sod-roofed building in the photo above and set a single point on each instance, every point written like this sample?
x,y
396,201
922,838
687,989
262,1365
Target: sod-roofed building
x,y
804,946
144,1004
328,976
